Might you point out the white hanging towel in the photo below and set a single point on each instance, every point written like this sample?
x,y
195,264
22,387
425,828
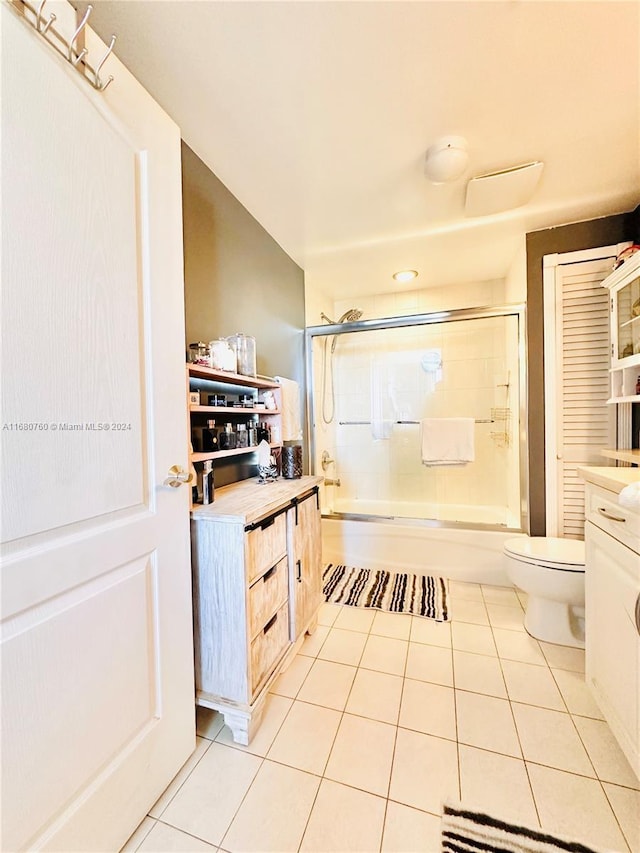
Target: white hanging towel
x,y
290,393
447,441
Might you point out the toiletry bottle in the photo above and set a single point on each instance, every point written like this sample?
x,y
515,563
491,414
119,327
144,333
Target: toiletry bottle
x,y
242,436
206,485
227,438
210,437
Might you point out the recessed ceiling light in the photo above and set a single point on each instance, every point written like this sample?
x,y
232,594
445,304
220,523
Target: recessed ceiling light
x,y
405,275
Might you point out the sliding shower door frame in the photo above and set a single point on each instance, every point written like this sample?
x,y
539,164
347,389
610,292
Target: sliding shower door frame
x,y
433,318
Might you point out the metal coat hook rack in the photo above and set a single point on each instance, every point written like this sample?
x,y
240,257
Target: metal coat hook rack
x,y
74,50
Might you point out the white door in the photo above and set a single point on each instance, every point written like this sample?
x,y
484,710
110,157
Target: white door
x,y
97,661
578,422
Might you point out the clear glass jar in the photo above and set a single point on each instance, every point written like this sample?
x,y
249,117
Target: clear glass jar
x,y
198,353
244,347
222,355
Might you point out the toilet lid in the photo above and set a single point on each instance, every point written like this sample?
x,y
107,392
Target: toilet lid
x,y
548,550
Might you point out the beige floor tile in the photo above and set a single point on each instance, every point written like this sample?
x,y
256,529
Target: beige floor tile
x,y
425,771
355,619
362,754
394,625
478,674
313,642
430,663
465,610
518,645
290,681
328,613
384,654
550,738
344,820
472,638
139,835
168,839
503,616
506,595
532,684
208,722
468,591
202,745
408,830
343,647
274,814
430,632
306,737
203,806
576,693
563,657
486,722
626,807
497,784
328,684
276,709
574,806
428,708
606,756
375,695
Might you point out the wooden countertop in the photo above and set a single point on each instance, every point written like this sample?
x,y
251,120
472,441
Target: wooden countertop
x,y
249,501
613,479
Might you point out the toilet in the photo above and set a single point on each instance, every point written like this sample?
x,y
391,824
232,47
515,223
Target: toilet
x,y
551,572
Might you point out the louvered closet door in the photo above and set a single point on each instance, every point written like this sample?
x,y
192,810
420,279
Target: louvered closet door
x,y
583,422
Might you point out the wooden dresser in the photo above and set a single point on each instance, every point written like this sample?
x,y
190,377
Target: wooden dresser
x,y
257,578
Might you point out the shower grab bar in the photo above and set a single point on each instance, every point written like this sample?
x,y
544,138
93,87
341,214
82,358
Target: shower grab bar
x,y
361,423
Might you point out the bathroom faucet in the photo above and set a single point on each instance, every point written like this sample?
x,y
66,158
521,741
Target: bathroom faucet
x,y
329,482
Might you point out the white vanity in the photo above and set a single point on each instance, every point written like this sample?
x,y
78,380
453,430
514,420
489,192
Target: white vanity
x,y
612,536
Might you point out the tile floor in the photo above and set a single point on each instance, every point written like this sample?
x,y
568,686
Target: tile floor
x,y
382,716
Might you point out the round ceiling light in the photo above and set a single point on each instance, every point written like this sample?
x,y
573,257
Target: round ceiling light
x,y
405,275
446,159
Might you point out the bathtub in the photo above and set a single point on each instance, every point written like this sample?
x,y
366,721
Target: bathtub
x,y
456,553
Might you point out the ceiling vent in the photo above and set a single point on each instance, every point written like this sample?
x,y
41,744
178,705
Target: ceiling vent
x,y
502,190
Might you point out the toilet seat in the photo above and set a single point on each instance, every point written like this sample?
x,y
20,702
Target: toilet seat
x,y
547,551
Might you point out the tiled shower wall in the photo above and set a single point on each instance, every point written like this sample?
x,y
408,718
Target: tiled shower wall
x,y
395,374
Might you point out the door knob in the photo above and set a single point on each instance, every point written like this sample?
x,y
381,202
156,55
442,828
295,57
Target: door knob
x,y
177,476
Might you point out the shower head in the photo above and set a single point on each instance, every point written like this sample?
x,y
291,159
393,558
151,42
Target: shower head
x,y
349,316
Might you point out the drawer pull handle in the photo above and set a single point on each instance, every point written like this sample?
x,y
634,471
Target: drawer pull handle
x,y
270,623
299,565
269,574
638,613
603,512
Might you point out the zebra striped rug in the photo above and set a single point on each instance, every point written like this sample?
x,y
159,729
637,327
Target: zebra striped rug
x,y
466,831
395,592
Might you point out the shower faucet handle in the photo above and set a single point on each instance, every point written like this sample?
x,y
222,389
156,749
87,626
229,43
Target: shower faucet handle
x,y
325,460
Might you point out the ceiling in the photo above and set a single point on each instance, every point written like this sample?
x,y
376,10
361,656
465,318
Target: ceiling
x,y
317,116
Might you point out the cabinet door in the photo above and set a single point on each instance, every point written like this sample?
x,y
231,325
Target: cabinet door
x,y
613,642
307,568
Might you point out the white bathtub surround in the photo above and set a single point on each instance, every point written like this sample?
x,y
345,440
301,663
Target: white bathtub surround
x,y
464,555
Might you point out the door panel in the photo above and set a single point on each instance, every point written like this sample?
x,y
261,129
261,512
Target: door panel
x,y
97,676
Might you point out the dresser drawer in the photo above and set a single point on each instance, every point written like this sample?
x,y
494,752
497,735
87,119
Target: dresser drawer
x,y
269,645
266,595
266,545
603,510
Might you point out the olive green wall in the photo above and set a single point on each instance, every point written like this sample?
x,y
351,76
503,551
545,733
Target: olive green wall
x,y
238,279
567,238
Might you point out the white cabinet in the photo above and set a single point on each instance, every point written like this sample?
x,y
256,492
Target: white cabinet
x,y
624,290
257,589
612,537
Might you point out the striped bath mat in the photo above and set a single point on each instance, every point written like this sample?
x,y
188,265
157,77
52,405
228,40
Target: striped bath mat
x,y
465,831
395,592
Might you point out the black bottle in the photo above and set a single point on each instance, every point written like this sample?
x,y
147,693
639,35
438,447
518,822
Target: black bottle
x,y
210,439
227,438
